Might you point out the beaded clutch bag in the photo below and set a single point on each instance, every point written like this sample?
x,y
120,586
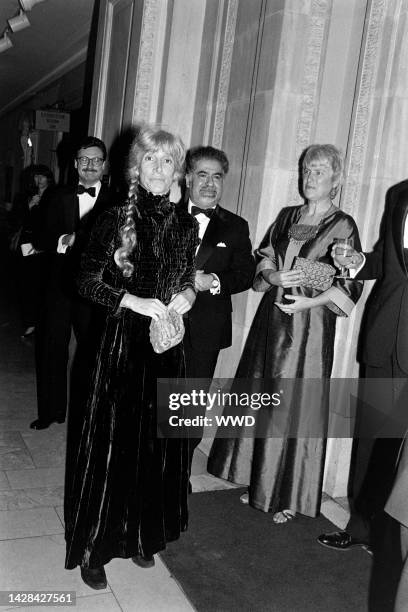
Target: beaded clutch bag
x,y
166,333
316,274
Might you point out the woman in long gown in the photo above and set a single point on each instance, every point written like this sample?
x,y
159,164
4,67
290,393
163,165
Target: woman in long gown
x,y
292,337
126,491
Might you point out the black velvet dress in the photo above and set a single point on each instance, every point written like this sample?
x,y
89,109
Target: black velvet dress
x,y
126,490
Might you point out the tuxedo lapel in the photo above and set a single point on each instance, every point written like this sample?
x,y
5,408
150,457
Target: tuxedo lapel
x,y
398,226
102,200
71,212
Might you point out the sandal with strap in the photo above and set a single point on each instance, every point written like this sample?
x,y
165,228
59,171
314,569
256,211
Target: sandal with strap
x,y
244,499
283,516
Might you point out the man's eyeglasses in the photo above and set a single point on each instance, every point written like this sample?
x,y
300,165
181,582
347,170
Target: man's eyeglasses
x,y
95,161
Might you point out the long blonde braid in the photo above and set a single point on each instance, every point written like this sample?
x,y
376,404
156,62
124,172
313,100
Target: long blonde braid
x,y
128,234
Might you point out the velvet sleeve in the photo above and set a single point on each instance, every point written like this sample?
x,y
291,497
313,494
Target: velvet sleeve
x,y
187,278
99,278
345,292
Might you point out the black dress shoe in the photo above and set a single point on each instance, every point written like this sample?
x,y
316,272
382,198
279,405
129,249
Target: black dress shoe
x,y
341,540
40,424
94,578
29,331
144,562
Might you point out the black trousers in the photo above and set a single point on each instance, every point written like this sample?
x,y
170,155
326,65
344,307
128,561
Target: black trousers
x,y
375,455
31,272
60,314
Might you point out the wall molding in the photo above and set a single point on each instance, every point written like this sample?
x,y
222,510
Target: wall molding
x,y
319,22
145,81
101,72
214,72
225,73
360,129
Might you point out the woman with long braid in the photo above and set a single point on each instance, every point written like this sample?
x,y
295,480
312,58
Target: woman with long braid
x,y
127,493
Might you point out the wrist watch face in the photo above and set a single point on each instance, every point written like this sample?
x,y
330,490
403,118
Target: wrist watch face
x,y
215,283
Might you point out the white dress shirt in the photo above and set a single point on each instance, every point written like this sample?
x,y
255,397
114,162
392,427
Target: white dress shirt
x,y
203,222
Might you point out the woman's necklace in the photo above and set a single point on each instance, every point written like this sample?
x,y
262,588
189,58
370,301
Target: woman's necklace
x,y
299,232
316,217
303,232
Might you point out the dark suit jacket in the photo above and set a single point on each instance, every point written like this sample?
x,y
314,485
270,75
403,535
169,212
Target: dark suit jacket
x,y
386,320
62,217
225,250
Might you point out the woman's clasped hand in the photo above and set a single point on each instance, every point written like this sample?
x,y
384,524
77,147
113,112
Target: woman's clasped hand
x,y
284,278
154,308
150,307
297,303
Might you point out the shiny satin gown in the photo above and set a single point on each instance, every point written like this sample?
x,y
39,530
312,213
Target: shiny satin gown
x,y
287,472
126,490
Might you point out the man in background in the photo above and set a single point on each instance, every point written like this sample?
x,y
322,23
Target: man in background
x,y
70,216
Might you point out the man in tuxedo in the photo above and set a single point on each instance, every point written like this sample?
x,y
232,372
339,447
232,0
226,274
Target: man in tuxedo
x,y
70,216
224,263
381,417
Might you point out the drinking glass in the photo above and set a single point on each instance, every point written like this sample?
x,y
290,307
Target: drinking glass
x,y
341,251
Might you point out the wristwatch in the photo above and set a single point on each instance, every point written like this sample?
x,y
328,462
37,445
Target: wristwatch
x,y
215,283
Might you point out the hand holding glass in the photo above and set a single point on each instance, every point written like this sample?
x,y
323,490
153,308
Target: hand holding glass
x,y
342,252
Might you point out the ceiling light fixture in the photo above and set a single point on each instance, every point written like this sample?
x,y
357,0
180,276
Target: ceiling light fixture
x,y
19,22
27,5
5,42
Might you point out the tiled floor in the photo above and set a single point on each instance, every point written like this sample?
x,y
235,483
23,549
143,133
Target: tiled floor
x,y
32,547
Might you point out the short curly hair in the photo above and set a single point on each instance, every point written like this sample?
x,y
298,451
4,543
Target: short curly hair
x,y
92,141
325,152
195,154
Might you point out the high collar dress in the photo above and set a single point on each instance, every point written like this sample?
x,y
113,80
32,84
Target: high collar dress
x,y
126,489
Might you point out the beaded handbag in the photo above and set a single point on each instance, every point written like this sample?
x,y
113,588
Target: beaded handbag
x,y
316,274
166,333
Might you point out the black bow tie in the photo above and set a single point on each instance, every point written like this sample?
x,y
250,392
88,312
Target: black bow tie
x,y
195,210
91,190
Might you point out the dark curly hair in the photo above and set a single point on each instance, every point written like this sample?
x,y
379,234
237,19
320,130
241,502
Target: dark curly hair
x,y
195,154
